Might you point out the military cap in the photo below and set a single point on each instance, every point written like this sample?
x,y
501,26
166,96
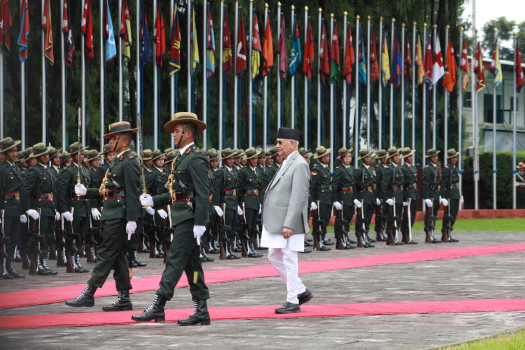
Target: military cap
x,y
227,153
8,143
156,154
451,153
406,152
119,128
251,153
431,153
321,151
54,152
39,150
521,165
381,154
64,156
91,155
183,118
147,155
365,152
392,151
75,147
107,148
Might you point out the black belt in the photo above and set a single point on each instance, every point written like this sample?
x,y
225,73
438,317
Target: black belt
x,y
115,193
79,198
326,187
183,195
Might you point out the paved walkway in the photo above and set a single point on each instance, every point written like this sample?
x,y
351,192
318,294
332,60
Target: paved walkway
x,y
497,276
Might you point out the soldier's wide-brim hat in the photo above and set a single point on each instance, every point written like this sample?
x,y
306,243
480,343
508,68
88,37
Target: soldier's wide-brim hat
x,y
251,153
147,155
8,143
64,156
344,151
170,156
521,165
381,154
407,152
75,147
39,150
365,153
432,152
274,151
214,156
54,152
451,153
185,117
392,151
302,151
119,128
91,155
227,153
157,154
107,148
321,152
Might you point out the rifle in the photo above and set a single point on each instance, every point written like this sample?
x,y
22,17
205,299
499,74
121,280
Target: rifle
x,y
59,241
394,222
430,220
360,225
25,238
317,227
4,241
447,222
222,228
409,221
79,134
34,247
167,231
151,232
379,227
340,232
243,231
70,247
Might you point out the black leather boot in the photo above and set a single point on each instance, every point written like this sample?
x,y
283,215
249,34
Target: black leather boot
x,y
11,270
251,251
205,256
78,266
200,315
46,271
154,312
123,302
230,253
450,238
86,298
137,262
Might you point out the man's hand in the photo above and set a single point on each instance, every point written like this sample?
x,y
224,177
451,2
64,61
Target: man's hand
x,y
33,214
390,201
162,214
150,210
23,218
287,232
95,214
313,206
218,210
68,216
428,203
337,205
198,231
146,200
131,226
357,203
239,210
80,190
444,202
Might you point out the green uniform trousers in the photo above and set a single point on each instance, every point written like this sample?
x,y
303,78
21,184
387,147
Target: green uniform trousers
x,y
47,229
413,212
325,213
12,230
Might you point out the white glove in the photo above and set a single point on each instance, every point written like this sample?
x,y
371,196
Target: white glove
x,y
239,210
405,204
198,231
444,202
313,206
146,200
131,226
378,201
68,216
33,213
150,210
57,216
390,201
338,206
428,203
358,203
95,214
162,213
218,210
23,218
260,209
80,189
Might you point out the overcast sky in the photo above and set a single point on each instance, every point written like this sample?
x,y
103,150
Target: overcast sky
x,y
487,10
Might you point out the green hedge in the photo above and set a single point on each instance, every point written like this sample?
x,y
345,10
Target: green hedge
x,y
503,180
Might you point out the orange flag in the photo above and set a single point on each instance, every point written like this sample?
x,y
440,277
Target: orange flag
x,y
420,63
48,29
267,49
450,68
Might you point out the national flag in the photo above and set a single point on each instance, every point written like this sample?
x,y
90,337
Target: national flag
x,y
67,31
495,65
479,70
48,30
87,30
145,45
464,65
267,63
450,68
361,59
125,31
438,69
519,69
397,64
109,36
256,48
281,50
408,61
24,31
295,50
420,62
309,54
334,55
159,35
175,43
349,57
428,64
195,44
227,47
6,22
385,62
323,55
374,68
210,46
241,63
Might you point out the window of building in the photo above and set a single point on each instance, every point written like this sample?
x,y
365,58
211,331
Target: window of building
x,y
467,100
488,110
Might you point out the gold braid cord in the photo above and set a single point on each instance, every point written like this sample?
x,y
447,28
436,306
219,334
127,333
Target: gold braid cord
x,y
102,190
169,184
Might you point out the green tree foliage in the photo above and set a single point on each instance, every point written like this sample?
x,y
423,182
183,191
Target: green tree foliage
x,y
505,32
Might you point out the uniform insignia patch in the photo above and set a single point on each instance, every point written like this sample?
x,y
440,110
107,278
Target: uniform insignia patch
x,y
314,173
121,157
188,151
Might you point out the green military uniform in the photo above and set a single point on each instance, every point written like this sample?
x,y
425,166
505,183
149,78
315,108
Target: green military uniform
x,y
321,192
431,191
365,187
392,184
410,195
382,208
450,191
344,193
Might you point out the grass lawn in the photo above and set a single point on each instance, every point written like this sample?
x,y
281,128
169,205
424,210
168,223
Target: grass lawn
x,y
509,341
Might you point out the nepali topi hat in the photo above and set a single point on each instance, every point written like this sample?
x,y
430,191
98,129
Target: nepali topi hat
x,y
288,133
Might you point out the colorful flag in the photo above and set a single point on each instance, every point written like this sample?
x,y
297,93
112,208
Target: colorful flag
x,y
464,65
374,68
241,63
438,69
87,30
67,31
361,61
48,30
109,36
519,69
295,50
256,48
397,64
210,46
175,43
6,22
309,54
226,47
408,61
125,31
159,35
145,45
24,31
334,55
450,68
281,50
428,64
195,44
479,70
267,63
420,62
385,62
323,55
495,65
349,57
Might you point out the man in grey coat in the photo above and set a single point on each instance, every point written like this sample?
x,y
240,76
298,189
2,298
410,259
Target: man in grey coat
x,y
285,218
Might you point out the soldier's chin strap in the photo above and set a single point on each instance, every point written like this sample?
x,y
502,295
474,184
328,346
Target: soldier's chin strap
x,y
182,135
116,144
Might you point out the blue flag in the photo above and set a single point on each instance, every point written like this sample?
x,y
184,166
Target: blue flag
x,y
362,64
396,71
146,52
109,36
295,52
210,47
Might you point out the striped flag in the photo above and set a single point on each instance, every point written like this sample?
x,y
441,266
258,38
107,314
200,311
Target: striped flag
x,y
24,31
495,65
175,43
6,22
48,30
256,48
464,65
519,69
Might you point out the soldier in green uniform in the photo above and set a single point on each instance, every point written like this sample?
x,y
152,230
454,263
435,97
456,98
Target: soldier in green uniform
x,y
410,194
450,195
212,231
54,158
159,158
392,185
343,195
321,193
365,198
431,189
96,173
38,201
65,161
12,214
381,206
109,157
520,186
189,193
120,190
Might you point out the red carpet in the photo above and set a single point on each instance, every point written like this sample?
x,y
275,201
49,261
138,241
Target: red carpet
x,y
146,284
267,312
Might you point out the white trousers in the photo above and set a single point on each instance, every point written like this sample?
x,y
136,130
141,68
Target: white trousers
x,y
285,262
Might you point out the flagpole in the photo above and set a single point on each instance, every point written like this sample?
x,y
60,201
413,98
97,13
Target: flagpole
x,y
494,120
357,128
44,115
414,86
102,77
83,88
221,82
460,119
265,92
434,101
368,83
380,92
279,68
475,123
250,80
189,47
345,30
445,105
319,78
392,87
292,78
155,79
424,109
235,82
63,77
306,83
138,78
403,85
204,70
120,75
2,95
172,76
514,129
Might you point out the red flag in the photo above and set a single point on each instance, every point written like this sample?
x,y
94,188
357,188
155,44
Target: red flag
x,y
479,70
450,68
67,31
87,30
46,25
334,55
256,48
6,24
22,41
281,50
349,57
227,47
428,64
124,16
159,35
267,49
175,43
408,61
464,65
374,68
241,64
309,55
323,56
519,69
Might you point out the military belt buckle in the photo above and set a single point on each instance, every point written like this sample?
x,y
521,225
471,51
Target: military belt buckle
x,y
17,196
